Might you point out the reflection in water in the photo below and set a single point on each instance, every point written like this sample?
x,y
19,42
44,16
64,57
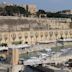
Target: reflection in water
x,y
28,69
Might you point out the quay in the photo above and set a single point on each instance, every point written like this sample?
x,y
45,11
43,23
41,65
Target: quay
x,y
18,63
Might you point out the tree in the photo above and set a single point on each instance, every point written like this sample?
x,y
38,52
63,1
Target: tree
x,y
39,12
9,10
1,9
21,10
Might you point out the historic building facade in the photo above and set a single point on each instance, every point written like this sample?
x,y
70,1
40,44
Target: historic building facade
x,y
23,30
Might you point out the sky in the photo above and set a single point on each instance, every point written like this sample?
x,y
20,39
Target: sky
x,y
49,5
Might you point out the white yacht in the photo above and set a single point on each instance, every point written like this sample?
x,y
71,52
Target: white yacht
x,y
65,50
43,55
48,49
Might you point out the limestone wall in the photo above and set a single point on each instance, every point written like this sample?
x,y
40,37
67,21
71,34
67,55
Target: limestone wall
x,y
32,30
34,36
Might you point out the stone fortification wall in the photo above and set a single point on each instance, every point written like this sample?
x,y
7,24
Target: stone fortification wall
x,y
12,23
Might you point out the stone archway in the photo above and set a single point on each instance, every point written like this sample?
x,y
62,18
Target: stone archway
x,y
5,37
50,34
46,35
56,34
66,34
70,34
0,38
41,35
20,36
36,35
26,36
13,36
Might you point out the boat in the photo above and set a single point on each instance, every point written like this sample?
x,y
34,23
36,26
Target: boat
x,y
48,50
43,55
65,50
